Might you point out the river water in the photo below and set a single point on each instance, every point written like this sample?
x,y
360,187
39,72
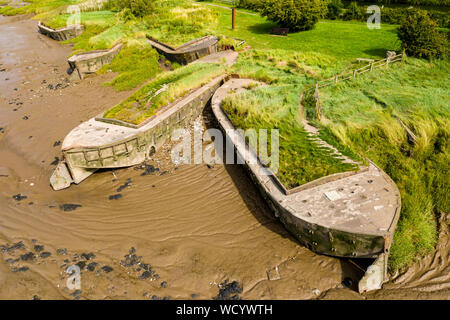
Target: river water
x,y
191,228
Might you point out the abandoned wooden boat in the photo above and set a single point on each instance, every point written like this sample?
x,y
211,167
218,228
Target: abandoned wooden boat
x,y
109,143
89,62
60,34
187,52
349,215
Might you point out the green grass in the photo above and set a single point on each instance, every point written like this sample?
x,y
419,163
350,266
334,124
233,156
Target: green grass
x,y
300,159
146,102
363,115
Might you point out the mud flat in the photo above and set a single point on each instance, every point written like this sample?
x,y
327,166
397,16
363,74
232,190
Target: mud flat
x,y
194,226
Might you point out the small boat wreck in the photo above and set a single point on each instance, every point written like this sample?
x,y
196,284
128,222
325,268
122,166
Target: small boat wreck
x,y
109,143
349,215
90,62
187,52
60,34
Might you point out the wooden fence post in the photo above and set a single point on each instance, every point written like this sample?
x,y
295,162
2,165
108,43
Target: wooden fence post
x,y
336,78
371,66
354,74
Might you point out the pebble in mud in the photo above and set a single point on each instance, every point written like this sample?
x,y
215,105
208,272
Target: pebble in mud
x,y
45,254
61,251
57,143
229,291
125,185
115,196
88,256
81,264
107,269
21,269
38,248
69,206
148,169
164,284
19,197
28,256
91,266
15,246
55,162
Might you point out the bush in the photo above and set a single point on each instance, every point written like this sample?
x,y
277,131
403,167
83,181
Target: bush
x,y
254,5
334,9
138,8
420,37
353,12
294,14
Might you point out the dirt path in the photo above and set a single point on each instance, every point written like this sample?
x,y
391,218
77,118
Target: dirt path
x,y
174,233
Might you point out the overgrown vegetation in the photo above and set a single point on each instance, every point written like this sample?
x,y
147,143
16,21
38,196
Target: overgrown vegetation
x,y
295,15
163,90
364,116
420,37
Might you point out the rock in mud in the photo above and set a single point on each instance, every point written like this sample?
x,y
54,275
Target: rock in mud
x,y
22,269
69,207
145,275
19,197
45,254
81,264
28,256
229,291
164,284
11,261
88,256
38,248
115,196
57,143
125,185
15,246
55,162
107,269
61,252
91,266
148,169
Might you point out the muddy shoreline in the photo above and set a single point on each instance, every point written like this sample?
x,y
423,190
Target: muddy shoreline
x,y
174,233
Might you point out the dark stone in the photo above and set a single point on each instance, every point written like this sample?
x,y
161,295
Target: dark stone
x,y
88,256
69,207
228,289
57,143
148,169
163,284
11,261
125,185
19,197
61,252
55,162
45,254
163,173
28,256
107,269
22,269
26,118
38,248
115,196
35,297
76,293
81,264
145,275
91,266
156,298
17,245
194,295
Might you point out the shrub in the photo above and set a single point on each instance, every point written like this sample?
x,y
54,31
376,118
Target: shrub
x,y
139,8
420,37
353,12
334,9
249,4
294,14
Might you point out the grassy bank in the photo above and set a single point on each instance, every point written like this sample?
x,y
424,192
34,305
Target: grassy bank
x,y
163,90
364,115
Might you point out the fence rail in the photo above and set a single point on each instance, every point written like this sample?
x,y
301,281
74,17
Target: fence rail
x,y
350,75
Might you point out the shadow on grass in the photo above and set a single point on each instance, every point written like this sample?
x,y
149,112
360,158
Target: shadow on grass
x,y
262,28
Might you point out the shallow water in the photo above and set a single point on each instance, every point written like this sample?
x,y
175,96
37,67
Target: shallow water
x,y
196,226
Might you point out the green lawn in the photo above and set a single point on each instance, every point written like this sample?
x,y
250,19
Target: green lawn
x,y
363,115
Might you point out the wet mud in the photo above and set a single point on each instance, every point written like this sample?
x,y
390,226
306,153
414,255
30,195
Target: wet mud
x,y
154,231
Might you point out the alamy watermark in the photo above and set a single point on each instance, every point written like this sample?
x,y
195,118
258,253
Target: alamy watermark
x,y
374,20
212,147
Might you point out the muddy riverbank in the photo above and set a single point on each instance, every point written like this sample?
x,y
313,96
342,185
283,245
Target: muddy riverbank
x,y
172,233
